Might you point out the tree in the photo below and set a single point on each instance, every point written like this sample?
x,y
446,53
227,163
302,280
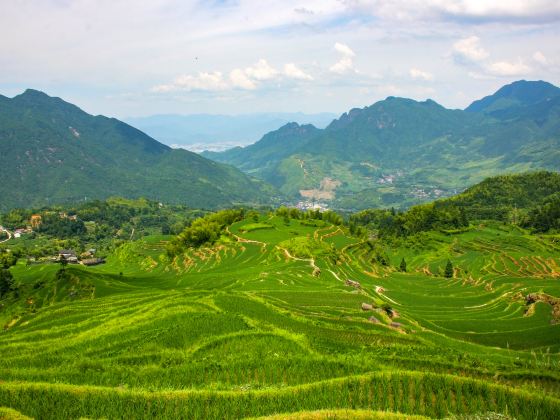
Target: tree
x,y
463,217
6,281
63,262
448,270
403,265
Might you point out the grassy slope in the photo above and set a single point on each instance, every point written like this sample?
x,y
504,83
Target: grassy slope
x,y
245,329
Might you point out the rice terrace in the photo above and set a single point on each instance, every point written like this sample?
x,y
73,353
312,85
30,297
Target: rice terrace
x,y
289,314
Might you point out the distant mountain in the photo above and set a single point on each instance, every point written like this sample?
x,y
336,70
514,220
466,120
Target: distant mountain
x,y
398,151
52,151
200,132
518,95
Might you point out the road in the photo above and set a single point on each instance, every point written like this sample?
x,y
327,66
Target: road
x,y
8,232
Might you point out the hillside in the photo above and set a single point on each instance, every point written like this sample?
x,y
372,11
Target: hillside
x,y
51,151
498,195
530,200
288,314
398,151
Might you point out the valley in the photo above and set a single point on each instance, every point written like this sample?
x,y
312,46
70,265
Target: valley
x,y
280,210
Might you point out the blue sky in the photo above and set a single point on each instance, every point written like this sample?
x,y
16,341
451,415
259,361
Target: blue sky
x,y
134,58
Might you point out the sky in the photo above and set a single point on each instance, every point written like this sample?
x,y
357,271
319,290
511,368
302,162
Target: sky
x,y
128,58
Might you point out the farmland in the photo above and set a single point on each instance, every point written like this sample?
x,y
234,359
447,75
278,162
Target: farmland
x,y
264,323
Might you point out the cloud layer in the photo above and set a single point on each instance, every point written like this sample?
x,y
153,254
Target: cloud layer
x,y
124,57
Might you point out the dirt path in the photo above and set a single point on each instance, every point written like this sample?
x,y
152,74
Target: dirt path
x,y
311,261
245,241
2,229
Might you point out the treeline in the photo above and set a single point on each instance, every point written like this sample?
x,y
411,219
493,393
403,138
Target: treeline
x,y
545,217
529,200
204,231
297,214
507,198
61,227
421,218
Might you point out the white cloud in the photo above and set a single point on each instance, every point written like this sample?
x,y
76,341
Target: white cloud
x,y
540,58
512,11
239,79
248,78
505,68
419,74
294,72
501,10
203,81
261,71
469,49
345,64
344,49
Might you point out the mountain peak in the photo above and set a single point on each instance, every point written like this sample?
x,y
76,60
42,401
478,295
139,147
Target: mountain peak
x,y
36,98
516,94
33,94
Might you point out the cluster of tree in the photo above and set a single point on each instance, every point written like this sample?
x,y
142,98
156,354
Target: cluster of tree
x,y
204,230
507,197
53,224
545,217
421,218
7,259
6,281
16,218
377,253
296,214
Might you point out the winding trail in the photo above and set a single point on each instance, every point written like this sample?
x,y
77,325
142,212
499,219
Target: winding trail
x,y
245,241
311,261
2,229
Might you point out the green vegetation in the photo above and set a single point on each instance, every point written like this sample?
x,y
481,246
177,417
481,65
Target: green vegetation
x,y
52,152
426,313
399,152
288,314
204,231
101,225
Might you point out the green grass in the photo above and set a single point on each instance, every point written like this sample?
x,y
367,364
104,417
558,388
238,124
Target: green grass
x,y
244,329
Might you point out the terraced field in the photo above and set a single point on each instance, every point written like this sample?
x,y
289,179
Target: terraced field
x,y
267,323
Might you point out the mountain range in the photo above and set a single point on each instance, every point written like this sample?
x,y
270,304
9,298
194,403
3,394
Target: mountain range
x,y
53,152
199,132
396,152
399,151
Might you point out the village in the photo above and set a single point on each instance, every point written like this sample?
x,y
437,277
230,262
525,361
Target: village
x,y
64,256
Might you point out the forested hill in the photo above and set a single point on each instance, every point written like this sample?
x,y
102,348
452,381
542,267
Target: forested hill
x,y
399,151
52,152
530,200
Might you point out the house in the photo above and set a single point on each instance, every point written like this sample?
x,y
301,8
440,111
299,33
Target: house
x,y
92,261
68,255
19,232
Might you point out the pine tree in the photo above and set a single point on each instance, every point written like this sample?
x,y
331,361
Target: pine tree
x,y
463,217
403,266
448,270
